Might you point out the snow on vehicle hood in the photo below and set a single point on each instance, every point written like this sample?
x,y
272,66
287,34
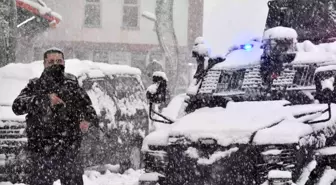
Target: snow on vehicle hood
x,y
239,121
234,124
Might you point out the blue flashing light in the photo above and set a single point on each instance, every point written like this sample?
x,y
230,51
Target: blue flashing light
x,y
247,47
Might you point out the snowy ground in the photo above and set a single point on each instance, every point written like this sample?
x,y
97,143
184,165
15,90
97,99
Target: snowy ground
x,y
130,177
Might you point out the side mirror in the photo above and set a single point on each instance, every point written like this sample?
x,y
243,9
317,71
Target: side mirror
x,y
325,83
156,93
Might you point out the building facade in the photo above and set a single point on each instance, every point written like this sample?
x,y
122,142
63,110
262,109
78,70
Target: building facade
x,y
114,31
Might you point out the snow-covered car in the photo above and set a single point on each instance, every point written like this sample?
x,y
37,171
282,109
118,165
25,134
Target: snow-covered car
x,y
118,97
275,138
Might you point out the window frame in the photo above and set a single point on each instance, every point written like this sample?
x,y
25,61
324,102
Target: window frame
x,y
98,3
123,26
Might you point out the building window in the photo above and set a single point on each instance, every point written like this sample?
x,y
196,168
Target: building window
x,y
131,14
92,13
101,56
120,58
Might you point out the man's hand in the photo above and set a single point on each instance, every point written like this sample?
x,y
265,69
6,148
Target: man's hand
x,y
55,99
84,126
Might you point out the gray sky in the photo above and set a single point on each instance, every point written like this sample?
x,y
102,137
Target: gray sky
x,y
228,22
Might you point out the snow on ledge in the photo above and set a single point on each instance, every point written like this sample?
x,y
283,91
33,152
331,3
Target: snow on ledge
x,y
150,177
280,33
275,174
327,151
326,68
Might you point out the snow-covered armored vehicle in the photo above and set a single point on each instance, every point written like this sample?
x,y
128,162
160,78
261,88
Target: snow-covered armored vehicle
x,y
264,115
118,97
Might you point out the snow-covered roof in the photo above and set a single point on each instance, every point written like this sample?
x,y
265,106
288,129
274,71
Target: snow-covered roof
x,y
280,33
41,7
15,76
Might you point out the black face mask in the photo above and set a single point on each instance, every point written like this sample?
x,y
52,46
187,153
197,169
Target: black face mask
x,y
54,72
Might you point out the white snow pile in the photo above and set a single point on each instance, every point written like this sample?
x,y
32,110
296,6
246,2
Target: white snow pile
x,y
228,125
275,174
216,156
193,87
306,173
200,47
160,74
15,76
272,152
327,151
328,177
308,46
280,33
130,177
242,58
148,177
42,8
313,57
153,88
328,83
271,122
199,40
325,68
149,15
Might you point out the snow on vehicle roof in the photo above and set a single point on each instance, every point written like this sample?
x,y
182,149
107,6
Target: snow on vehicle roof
x,y
308,46
242,58
325,68
15,76
314,57
280,33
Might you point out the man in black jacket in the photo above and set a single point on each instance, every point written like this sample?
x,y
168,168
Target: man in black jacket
x,y
58,112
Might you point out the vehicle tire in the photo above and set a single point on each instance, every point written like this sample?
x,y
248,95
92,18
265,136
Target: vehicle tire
x,y
135,158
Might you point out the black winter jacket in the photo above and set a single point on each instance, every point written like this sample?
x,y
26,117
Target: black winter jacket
x,y
56,129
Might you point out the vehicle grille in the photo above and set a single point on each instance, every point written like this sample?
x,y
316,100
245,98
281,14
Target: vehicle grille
x,y
156,160
276,158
